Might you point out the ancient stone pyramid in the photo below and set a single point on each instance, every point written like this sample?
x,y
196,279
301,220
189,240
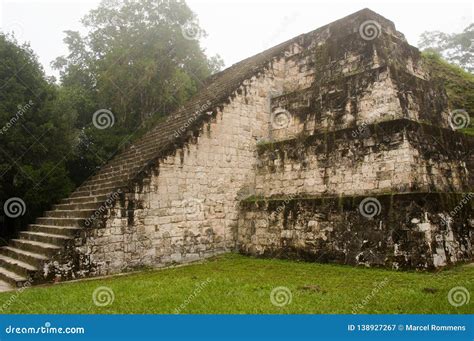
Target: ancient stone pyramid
x,y
333,146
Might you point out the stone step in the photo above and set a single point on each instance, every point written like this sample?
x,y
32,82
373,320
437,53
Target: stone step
x,y
111,175
73,222
84,200
132,155
130,149
92,186
45,249
12,278
106,190
80,206
150,151
31,258
47,238
118,175
69,213
17,266
106,173
67,231
4,286
146,152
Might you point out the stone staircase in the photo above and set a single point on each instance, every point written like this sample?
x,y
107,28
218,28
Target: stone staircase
x,y
21,260
24,257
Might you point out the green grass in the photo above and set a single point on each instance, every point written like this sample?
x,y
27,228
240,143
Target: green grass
x,y
238,284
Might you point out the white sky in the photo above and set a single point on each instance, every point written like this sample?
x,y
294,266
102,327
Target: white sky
x,y
236,29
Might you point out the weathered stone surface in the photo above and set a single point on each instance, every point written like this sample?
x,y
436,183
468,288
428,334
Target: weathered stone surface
x,y
405,231
392,156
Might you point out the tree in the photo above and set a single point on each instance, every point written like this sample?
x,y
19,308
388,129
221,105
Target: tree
x,y
34,137
140,60
457,48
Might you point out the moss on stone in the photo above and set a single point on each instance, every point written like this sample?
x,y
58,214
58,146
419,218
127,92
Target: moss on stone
x,y
459,84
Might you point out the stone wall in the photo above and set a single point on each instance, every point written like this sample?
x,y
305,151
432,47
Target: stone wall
x,y
363,83
400,231
393,156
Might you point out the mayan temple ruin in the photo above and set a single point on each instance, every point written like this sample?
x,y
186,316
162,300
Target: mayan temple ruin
x,y
334,146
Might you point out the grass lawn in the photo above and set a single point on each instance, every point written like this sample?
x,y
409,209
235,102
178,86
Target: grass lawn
x,y
237,284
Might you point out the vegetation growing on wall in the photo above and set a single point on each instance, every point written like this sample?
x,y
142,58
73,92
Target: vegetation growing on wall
x,y
459,84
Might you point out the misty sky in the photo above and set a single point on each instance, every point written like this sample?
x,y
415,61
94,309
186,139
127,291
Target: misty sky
x,y
236,29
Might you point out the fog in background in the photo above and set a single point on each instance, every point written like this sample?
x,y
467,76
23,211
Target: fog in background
x,y
236,29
